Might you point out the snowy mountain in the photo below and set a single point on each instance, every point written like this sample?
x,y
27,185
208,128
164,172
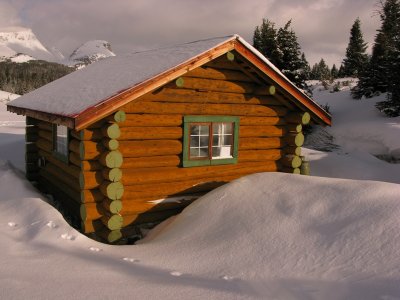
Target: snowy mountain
x,y
20,44
90,52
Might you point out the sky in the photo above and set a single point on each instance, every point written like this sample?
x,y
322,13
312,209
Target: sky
x,y
322,26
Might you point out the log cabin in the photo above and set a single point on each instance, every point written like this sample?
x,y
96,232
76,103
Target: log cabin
x,y
134,139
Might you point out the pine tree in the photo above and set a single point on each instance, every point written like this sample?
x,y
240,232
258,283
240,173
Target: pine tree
x,y
265,41
356,57
334,72
283,50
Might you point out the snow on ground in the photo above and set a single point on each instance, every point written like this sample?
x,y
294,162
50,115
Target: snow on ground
x,y
264,236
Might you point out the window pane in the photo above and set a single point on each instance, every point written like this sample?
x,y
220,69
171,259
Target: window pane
x,y
226,140
62,140
204,141
222,152
194,130
203,152
194,141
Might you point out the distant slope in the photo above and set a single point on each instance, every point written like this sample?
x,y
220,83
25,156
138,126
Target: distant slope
x,y
90,52
15,40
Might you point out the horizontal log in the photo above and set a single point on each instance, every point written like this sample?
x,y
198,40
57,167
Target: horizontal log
x,y
54,181
31,148
84,165
195,96
58,173
111,131
258,121
291,161
150,133
261,143
31,121
150,148
149,217
113,222
113,175
261,131
201,109
150,191
118,117
90,180
91,211
218,74
217,85
87,150
222,63
157,175
133,120
87,134
44,145
112,190
136,208
151,161
91,226
298,118
68,204
31,129
88,196
45,126
48,135
31,157
71,170
295,139
111,159
31,138
260,155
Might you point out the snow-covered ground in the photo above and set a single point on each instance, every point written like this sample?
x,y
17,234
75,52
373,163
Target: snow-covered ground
x,y
264,236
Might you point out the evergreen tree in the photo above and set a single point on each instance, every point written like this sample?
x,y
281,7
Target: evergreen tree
x,y
320,71
334,72
356,57
283,50
383,74
265,41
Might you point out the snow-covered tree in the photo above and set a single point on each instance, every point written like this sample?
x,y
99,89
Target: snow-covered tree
x,y
383,72
281,47
334,72
356,57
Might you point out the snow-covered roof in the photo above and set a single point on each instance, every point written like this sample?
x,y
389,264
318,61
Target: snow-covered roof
x,y
95,85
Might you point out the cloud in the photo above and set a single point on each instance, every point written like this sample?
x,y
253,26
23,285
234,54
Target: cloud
x,y
8,15
322,26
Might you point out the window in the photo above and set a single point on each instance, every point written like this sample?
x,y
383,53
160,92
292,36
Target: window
x,y
210,140
60,145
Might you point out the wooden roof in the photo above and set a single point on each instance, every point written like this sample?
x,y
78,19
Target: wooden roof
x,y
86,96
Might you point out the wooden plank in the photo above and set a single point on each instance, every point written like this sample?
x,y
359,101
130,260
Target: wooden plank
x,y
195,96
151,161
217,85
150,133
44,145
71,170
84,165
157,175
45,126
133,120
210,109
47,135
260,143
58,173
150,148
261,121
218,74
55,182
260,155
261,131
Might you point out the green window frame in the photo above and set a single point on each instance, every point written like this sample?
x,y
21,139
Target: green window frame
x,y
61,142
210,140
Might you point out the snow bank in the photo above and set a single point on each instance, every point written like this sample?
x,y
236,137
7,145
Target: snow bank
x,y
264,236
